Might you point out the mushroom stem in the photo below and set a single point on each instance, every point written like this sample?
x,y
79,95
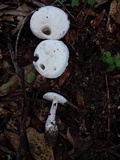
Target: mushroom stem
x,y
50,124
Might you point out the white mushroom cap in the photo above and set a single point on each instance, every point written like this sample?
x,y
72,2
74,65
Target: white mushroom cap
x,y
49,22
53,58
50,96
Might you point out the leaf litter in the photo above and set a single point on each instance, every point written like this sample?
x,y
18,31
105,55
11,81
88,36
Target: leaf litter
x,y
93,131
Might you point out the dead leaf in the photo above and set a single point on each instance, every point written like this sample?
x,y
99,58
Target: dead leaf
x,y
70,36
64,77
79,98
89,11
83,145
8,86
3,6
83,127
14,141
70,137
38,146
37,124
118,35
30,73
39,81
22,10
117,18
112,11
60,124
96,22
13,83
3,112
28,119
20,20
42,112
12,125
72,141
13,138
100,2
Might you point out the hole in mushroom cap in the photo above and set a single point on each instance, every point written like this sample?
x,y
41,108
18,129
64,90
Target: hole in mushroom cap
x,y
35,59
42,66
46,31
54,68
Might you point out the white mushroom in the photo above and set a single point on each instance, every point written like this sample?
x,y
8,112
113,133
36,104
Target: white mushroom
x,y
51,128
50,125
53,58
49,22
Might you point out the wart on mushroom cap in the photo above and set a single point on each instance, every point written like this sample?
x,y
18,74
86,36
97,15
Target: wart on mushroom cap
x,y
53,58
45,25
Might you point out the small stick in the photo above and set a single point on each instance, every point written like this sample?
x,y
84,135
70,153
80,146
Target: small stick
x,y
38,4
6,150
68,11
72,105
108,102
115,147
20,73
114,153
14,58
14,61
68,102
25,106
19,32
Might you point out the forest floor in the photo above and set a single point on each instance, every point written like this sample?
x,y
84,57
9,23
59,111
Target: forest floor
x,y
89,129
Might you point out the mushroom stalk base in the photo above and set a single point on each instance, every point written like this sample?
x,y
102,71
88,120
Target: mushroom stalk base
x,y
51,129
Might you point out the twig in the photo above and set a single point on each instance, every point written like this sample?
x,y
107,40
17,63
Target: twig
x,y
25,105
80,24
68,102
68,11
56,1
14,59
19,32
72,105
110,148
6,150
84,6
23,143
108,103
114,153
38,4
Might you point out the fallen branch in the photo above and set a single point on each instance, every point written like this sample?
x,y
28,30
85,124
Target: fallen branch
x,y
108,105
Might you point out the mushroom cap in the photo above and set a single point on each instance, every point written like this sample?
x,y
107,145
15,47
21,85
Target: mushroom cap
x,y
50,96
53,58
49,22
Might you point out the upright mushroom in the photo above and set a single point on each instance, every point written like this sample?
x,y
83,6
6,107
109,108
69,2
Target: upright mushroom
x,y
53,58
49,22
51,128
